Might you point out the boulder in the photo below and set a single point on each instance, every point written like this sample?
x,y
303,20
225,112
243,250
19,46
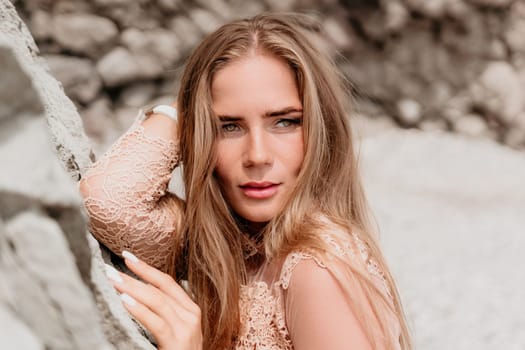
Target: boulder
x,y
54,293
84,33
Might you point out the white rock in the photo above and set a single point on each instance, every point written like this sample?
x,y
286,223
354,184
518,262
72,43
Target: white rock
x,y
515,35
169,5
337,33
281,5
409,111
492,3
219,7
433,125
118,67
78,76
205,20
187,31
137,95
40,25
430,8
471,125
396,15
84,33
499,91
158,45
97,119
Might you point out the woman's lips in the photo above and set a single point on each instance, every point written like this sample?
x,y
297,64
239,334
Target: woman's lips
x,y
259,190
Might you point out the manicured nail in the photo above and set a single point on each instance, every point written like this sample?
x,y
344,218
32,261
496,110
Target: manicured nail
x,y
113,274
127,299
127,255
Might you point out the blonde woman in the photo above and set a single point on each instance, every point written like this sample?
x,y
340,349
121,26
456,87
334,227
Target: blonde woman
x,y
273,235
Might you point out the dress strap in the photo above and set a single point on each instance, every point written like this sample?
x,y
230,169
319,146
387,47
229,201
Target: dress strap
x,y
290,263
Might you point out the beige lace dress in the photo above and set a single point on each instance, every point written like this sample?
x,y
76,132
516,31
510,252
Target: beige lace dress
x,y
294,303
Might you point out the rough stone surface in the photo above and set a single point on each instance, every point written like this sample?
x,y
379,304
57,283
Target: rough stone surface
x,y
54,293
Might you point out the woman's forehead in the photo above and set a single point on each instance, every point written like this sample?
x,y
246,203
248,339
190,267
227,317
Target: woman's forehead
x,y
257,82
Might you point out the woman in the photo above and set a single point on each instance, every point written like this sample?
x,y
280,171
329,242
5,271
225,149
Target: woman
x,y
273,236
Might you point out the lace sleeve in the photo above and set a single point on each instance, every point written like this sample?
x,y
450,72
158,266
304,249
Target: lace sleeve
x,y
125,195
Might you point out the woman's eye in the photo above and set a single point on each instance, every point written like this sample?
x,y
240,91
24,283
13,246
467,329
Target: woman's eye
x,y
288,122
230,127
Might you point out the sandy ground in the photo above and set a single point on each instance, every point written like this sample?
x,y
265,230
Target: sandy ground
x,y
452,217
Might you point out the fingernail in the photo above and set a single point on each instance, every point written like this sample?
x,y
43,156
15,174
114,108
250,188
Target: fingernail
x,y
129,256
128,300
113,274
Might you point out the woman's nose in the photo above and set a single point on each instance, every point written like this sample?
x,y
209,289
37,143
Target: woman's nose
x,y
258,149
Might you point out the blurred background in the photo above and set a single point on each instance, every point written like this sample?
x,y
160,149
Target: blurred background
x,y
452,65
439,90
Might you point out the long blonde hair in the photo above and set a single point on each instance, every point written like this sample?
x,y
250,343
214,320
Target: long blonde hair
x,y
328,182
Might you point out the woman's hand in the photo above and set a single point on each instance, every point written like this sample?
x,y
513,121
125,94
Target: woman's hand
x,y
159,304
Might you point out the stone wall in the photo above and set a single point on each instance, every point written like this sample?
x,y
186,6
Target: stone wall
x,y
451,224
454,65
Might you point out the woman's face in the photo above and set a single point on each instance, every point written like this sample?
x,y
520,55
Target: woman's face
x,y
260,149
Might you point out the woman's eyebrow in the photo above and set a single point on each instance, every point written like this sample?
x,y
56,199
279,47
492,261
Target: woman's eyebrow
x,y
227,118
283,111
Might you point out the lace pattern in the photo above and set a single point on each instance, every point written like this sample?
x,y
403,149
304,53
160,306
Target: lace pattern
x,y
125,194
263,324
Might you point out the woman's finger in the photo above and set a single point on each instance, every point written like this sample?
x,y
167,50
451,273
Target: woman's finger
x,y
150,296
160,280
161,330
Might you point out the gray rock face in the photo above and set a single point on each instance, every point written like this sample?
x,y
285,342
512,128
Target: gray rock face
x,y
54,293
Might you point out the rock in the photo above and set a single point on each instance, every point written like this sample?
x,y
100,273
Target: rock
x,y
492,3
409,112
84,33
69,141
97,119
219,7
118,67
47,280
515,35
433,125
515,137
499,91
52,291
40,25
155,45
281,5
429,8
169,5
338,34
471,125
14,333
396,15
187,31
205,20
137,95
16,91
78,76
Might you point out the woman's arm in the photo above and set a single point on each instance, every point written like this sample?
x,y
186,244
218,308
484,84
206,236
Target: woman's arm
x,y
125,194
318,312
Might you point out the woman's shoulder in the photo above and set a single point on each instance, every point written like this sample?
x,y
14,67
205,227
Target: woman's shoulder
x,y
337,249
